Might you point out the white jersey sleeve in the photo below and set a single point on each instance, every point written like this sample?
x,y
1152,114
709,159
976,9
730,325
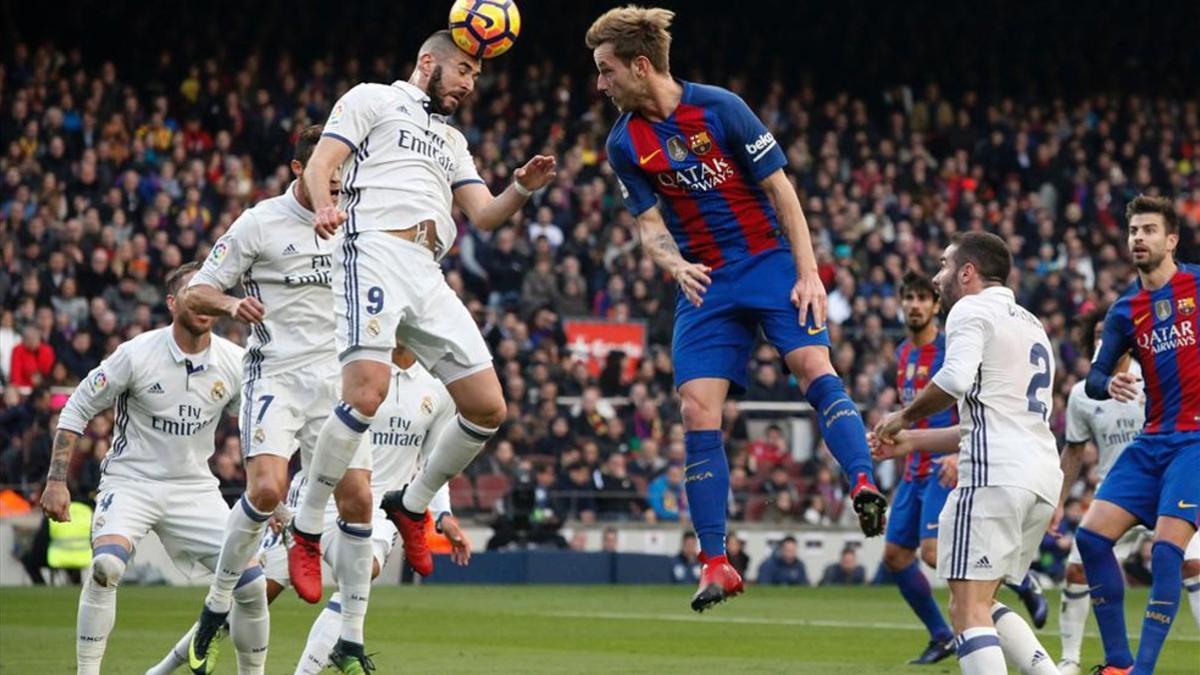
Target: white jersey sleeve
x,y
967,330
1078,427
465,172
98,392
353,116
232,255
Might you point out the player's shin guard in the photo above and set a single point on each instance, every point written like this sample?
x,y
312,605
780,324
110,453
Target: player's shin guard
x,y
243,535
321,638
457,446
98,606
919,596
707,483
250,622
1108,595
1071,621
1166,562
1191,586
1019,644
335,448
353,572
979,652
841,425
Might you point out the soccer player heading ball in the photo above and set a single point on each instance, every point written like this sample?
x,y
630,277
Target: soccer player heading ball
x,y
705,180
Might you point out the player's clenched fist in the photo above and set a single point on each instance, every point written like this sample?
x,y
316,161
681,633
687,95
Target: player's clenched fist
x,y
248,310
56,501
327,220
693,280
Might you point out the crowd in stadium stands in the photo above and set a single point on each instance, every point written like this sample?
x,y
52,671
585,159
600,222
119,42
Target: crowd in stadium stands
x,y
107,183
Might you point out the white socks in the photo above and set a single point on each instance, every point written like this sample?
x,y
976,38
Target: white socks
x,y
321,637
336,445
243,536
1071,621
97,613
458,445
1020,645
250,623
979,652
1191,587
353,572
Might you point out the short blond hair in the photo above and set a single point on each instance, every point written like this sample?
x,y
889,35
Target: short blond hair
x,y
635,31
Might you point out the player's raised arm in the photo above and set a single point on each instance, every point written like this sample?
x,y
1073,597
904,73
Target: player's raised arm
x,y
348,125
488,211
808,293
1102,384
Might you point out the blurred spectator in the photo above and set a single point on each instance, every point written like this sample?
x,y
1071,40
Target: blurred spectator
x,y
618,498
735,551
579,541
846,571
771,450
575,493
784,567
686,567
609,540
666,495
32,359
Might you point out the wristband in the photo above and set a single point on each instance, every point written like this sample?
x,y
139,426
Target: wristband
x,y
521,189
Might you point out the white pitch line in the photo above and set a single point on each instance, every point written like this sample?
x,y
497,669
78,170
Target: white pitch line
x,y
763,621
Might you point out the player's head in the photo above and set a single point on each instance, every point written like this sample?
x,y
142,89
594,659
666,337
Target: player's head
x,y
445,72
1091,327
1153,231
306,142
630,45
919,300
177,282
972,262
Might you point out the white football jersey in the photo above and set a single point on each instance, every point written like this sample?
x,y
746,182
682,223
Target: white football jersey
x,y
1110,424
168,404
274,252
404,163
999,364
406,426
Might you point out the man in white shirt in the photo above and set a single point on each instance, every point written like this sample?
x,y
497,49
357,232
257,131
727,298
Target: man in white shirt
x,y
998,367
403,167
291,380
171,387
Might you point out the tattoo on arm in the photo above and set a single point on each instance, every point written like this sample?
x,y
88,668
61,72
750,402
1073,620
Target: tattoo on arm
x,y
60,459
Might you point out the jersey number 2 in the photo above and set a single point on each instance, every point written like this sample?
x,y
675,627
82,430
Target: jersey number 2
x,y
1038,356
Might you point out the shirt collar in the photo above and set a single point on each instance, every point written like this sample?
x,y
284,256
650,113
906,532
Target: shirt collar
x,y
1000,290
414,92
180,356
293,201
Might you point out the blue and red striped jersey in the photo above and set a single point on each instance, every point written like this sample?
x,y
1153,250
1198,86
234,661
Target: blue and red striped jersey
x,y
1159,327
705,161
915,366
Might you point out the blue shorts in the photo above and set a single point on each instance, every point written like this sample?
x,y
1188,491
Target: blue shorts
x,y
1157,475
716,338
916,506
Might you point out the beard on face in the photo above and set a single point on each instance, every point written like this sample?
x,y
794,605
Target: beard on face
x,y
438,96
1152,260
916,325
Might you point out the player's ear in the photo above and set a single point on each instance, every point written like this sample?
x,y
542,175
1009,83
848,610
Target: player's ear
x,y
640,65
297,168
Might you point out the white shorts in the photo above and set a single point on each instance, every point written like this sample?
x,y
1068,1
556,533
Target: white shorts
x,y
272,555
190,520
989,533
1193,549
386,289
1125,546
284,412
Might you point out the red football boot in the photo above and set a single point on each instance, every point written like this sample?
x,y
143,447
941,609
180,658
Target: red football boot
x,y
412,531
718,582
304,564
1111,670
870,505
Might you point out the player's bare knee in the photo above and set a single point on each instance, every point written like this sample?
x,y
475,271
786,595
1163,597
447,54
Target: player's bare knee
x,y
264,494
1191,568
488,414
896,558
1075,574
365,400
699,413
353,497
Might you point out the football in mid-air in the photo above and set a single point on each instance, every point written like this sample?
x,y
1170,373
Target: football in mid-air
x,y
485,28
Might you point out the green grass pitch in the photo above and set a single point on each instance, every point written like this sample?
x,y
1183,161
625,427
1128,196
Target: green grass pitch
x,y
550,629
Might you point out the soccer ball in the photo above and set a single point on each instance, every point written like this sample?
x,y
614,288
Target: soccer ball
x,y
485,28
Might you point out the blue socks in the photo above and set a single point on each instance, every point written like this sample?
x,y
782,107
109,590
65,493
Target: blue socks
x,y
1107,586
1166,561
841,425
706,480
916,591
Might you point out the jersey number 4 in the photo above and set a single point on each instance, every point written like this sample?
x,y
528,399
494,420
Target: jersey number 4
x,y
1038,357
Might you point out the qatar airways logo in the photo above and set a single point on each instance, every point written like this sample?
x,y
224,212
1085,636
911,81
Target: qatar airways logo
x,y
1167,338
706,175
